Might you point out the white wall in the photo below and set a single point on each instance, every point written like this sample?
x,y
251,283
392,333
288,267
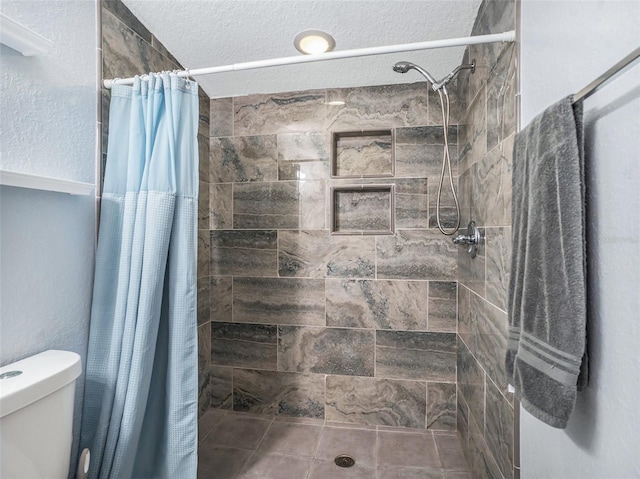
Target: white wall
x,y
565,45
47,127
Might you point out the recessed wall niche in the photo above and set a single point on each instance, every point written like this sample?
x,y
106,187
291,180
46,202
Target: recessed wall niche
x,y
362,154
362,210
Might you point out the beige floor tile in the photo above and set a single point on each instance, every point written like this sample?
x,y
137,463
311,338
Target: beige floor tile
x,y
291,438
358,443
407,449
208,421
217,462
450,452
242,432
328,470
397,472
275,466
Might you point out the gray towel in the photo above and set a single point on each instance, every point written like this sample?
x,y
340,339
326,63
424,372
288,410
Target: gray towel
x,y
547,290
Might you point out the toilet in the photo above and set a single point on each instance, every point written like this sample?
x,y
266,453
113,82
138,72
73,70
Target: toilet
x,y
36,415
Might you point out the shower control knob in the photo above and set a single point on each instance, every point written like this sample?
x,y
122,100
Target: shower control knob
x,y
473,238
464,239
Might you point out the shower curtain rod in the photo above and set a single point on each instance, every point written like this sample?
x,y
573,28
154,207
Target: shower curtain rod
x,y
509,36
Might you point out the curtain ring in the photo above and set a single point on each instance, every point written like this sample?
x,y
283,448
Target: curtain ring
x,y
187,76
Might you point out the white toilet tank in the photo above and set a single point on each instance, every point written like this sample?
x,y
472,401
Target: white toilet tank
x,y
36,415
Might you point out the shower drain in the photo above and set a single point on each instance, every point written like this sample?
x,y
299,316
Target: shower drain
x,y
343,460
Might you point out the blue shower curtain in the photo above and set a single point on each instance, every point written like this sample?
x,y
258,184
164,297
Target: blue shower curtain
x,y
140,406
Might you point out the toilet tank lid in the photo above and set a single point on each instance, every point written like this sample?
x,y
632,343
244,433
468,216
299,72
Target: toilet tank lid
x,y
40,376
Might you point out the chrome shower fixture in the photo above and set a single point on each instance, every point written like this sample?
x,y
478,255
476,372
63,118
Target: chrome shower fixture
x,y
440,87
404,67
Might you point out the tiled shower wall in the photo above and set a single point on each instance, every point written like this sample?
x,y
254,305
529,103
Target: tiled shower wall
x,y
129,49
300,322
486,134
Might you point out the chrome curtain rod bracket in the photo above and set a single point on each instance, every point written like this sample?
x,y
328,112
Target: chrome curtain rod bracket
x,y
509,36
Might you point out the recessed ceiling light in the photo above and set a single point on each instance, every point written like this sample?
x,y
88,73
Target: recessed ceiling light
x,y
336,102
314,42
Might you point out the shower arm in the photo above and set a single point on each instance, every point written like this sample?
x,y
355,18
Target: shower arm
x,y
442,83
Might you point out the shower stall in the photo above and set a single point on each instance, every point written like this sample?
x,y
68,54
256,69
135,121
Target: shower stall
x,y
327,295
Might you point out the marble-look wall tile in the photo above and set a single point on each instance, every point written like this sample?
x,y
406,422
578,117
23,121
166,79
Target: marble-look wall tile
x,y
359,210
462,423
204,253
157,44
456,104
471,382
471,271
221,117
375,401
472,143
204,107
489,341
244,345
365,155
204,300
416,355
279,301
412,203
426,135
442,306
498,265
221,387
204,160
204,364
243,253
303,156
378,107
313,204
317,254
399,305
499,429
326,350
419,150
122,12
481,460
279,113
441,406
494,16
278,393
465,328
501,99
448,211
203,206
125,53
221,299
266,205
220,206
491,188
414,254
464,195
244,158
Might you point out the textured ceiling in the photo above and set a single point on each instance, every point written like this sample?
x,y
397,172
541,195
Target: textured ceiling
x,y
205,33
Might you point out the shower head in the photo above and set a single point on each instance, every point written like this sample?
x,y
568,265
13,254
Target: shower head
x,y
404,67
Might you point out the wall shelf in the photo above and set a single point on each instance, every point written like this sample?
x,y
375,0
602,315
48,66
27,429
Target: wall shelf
x,y
45,183
22,39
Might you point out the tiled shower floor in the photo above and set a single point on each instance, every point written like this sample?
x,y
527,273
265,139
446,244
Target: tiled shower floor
x,y
237,445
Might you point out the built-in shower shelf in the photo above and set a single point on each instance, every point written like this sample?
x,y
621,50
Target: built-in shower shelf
x,y
45,183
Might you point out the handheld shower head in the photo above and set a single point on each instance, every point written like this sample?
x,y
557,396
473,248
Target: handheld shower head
x,y
404,67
